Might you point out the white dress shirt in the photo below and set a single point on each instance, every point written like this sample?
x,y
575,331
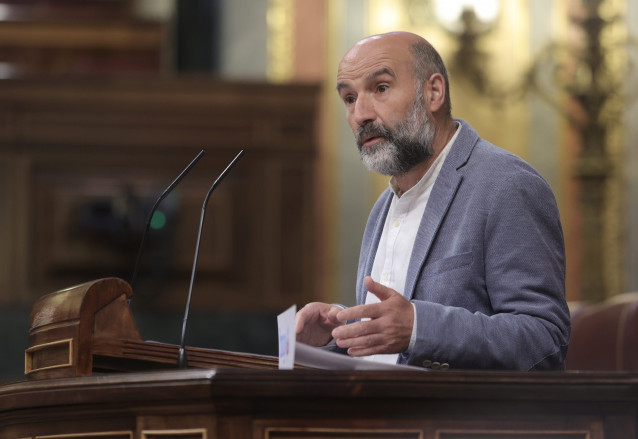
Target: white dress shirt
x,y
391,262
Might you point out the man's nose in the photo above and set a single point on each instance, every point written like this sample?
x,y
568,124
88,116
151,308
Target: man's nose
x,y
363,110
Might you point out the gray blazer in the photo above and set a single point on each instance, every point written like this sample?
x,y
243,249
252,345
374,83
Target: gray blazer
x,y
487,273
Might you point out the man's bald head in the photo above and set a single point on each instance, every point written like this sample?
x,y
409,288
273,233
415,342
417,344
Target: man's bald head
x,y
423,58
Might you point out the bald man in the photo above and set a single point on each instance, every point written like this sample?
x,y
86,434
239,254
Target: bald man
x,y
462,262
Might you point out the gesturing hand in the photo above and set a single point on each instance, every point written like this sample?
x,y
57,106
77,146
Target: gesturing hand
x,y
387,332
315,322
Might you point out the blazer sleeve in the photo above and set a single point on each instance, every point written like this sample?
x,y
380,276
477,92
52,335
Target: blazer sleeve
x,y
522,273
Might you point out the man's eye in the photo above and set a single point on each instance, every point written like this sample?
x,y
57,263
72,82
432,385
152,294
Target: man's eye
x,y
349,100
382,88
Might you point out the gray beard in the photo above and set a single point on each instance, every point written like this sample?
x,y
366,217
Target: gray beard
x,y
401,147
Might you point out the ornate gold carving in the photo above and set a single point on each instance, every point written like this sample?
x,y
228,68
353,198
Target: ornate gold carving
x,y
614,236
56,349
281,47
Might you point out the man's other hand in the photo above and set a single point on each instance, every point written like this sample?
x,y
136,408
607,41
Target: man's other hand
x,y
315,321
388,329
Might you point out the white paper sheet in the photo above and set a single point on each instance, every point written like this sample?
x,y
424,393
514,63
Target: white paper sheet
x,y
287,338
323,359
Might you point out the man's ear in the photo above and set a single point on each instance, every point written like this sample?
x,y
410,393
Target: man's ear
x,y
434,92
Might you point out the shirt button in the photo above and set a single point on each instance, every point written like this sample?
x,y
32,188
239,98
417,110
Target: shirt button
x,y
396,223
427,363
386,277
444,366
435,365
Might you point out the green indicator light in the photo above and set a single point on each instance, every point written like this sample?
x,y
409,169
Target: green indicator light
x,y
159,220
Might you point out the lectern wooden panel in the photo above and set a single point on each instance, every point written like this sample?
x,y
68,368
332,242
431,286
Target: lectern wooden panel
x,y
242,403
82,332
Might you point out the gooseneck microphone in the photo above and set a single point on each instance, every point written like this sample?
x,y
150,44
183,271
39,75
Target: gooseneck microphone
x,y
182,360
150,215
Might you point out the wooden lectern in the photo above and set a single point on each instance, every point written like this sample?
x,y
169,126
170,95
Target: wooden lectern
x,y
89,328
81,336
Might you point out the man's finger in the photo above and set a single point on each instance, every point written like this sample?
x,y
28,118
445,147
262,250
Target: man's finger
x,y
333,313
354,330
373,341
370,311
379,290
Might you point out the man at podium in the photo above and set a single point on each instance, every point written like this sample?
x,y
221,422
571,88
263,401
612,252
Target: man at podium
x,y
462,262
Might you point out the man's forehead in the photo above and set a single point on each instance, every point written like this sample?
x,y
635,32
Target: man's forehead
x,y
372,56
397,39
375,51
379,46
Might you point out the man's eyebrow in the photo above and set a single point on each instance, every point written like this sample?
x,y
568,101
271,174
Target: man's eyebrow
x,y
380,72
370,77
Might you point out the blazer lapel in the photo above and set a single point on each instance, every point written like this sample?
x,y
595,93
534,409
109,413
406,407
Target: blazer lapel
x,y
438,204
441,197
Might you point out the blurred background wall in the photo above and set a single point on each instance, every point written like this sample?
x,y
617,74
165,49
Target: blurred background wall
x,y
103,102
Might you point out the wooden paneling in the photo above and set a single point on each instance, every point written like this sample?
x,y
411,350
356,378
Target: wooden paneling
x,y
89,37
240,403
87,158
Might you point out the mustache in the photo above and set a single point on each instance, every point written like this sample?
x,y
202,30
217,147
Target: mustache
x,y
371,130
